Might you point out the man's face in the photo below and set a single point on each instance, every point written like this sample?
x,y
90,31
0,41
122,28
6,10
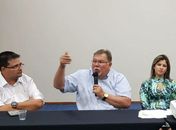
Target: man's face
x,y
101,65
13,70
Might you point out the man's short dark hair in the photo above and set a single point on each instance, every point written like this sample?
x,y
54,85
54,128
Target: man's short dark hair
x,y
6,56
104,51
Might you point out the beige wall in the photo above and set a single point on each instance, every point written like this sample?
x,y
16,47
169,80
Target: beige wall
x,y
42,30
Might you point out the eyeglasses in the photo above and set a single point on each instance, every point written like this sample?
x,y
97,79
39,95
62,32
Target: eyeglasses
x,y
99,62
15,66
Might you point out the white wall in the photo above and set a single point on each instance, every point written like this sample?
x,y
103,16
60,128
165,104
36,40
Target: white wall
x,y
134,30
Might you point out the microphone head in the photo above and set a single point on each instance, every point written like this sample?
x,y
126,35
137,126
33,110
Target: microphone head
x,y
95,74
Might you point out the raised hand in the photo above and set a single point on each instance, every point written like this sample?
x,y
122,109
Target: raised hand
x,y
65,59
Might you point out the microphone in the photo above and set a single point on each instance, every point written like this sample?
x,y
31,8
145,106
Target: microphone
x,y
95,75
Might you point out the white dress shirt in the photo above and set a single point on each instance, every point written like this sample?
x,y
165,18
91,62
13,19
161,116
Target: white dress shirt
x,y
24,89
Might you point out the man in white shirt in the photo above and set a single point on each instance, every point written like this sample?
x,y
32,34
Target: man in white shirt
x,y
111,92
17,90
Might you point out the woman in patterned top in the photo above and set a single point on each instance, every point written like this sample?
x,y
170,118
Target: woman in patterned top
x,y
159,90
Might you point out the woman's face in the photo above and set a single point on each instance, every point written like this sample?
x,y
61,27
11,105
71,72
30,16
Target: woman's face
x,y
160,68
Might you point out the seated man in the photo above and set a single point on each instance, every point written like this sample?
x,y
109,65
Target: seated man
x,y
110,90
17,90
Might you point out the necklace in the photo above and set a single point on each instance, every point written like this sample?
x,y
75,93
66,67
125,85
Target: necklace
x,y
160,86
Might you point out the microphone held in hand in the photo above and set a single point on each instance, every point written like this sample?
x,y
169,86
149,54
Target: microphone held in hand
x,y
95,75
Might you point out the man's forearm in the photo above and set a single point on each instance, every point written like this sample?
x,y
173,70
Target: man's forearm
x,y
59,79
119,101
6,107
31,105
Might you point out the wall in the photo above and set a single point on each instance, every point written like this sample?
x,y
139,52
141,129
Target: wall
x,y
134,30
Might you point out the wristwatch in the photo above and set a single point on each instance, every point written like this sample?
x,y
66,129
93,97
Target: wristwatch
x,y
105,95
14,104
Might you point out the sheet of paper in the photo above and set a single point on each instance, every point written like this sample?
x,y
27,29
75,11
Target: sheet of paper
x,y
13,113
154,113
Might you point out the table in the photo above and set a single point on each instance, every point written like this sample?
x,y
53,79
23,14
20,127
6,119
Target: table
x,y
172,122
80,120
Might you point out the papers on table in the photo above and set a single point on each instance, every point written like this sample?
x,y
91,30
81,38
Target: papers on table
x,y
173,107
154,113
13,113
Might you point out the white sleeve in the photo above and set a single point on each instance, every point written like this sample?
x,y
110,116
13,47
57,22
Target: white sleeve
x,y
33,91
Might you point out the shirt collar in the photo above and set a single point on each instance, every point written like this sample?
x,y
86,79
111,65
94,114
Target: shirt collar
x,y
20,80
157,79
3,82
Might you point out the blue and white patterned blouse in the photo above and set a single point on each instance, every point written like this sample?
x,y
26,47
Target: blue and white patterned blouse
x,y
157,93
